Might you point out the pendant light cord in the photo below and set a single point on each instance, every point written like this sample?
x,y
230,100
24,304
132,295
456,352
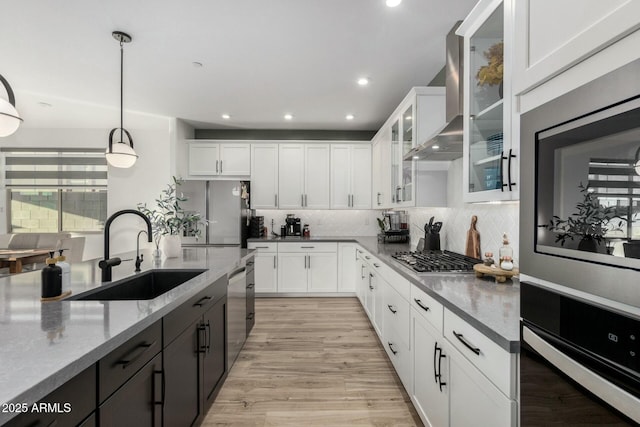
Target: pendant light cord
x,y
121,90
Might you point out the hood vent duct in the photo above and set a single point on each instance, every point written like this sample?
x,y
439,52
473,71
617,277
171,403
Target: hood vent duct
x,y
446,144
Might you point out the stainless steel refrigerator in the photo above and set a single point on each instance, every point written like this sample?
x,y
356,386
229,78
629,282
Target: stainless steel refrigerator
x,y
225,206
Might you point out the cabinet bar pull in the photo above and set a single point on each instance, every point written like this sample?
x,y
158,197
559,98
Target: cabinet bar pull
x,y
202,347
307,247
302,200
309,261
460,337
250,316
362,271
250,286
262,247
137,354
419,302
367,257
391,309
502,184
220,166
276,202
305,261
275,265
378,199
161,400
305,201
216,166
201,301
208,335
376,265
391,347
435,371
511,156
442,356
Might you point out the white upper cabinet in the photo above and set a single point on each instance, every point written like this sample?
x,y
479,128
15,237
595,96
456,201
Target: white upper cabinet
x,y
350,176
264,176
214,159
491,140
304,176
554,36
398,179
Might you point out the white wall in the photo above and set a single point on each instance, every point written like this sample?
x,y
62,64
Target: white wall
x,y
153,142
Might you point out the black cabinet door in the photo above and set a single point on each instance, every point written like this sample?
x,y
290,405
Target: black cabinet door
x,y
214,359
183,403
138,402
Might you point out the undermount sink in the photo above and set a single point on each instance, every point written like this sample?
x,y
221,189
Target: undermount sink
x,y
144,286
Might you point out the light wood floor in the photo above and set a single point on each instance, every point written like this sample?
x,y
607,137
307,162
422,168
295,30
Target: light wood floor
x,y
312,361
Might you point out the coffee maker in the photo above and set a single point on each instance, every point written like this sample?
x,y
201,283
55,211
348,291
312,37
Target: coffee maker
x,y
293,225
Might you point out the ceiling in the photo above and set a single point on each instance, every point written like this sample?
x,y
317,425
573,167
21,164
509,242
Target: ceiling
x,y
261,59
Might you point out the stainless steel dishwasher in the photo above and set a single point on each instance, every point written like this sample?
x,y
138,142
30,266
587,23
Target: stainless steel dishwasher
x,y
236,313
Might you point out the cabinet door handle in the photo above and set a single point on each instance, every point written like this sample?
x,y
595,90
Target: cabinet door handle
x,y
398,194
250,286
511,156
461,338
162,388
376,265
262,247
307,247
367,257
201,301
502,158
216,166
305,262
309,261
390,344
250,316
275,263
302,200
419,302
362,271
435,371
208,335
440,357
202,347
275,204
378,199
135,354
306,204
220,166
391,309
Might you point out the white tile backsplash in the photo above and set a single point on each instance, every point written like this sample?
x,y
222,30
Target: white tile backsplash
x,y
327,222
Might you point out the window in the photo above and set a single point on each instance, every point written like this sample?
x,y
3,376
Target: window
x,y
55,190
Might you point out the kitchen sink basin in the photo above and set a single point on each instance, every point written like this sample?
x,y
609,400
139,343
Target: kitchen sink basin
x,y
144,286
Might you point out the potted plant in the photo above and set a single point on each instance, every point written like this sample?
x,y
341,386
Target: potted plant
x,y
590,222
492,73
169,220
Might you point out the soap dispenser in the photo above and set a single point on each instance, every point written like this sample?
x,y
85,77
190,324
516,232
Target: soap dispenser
x,y
51,278
66,271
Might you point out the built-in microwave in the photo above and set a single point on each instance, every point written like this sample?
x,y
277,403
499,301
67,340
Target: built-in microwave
x,y
580,195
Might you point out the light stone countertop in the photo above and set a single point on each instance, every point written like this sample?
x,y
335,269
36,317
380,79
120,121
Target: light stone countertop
x,y
43,345
493,309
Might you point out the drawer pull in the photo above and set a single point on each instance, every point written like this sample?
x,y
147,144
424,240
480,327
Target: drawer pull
x,y
367,257
262,247
201,301
391,309
391,348
376,265
250,316
250,286
307,247
370,287
460,337
136,354
419,302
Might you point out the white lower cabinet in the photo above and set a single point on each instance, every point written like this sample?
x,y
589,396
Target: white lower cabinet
x,y
347,261
430,394
307,267
266,266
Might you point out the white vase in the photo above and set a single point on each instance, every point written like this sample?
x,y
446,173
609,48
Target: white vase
x,y
171,245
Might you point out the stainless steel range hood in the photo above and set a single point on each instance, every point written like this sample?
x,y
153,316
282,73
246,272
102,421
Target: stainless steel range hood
x,y
446,144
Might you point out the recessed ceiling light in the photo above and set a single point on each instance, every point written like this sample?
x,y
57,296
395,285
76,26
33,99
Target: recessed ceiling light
x,y
44,104
197,64
436,147
363,81
288,117
350,117
393,3
226,116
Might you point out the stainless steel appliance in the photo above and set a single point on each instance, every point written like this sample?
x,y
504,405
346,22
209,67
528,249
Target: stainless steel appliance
x,y
436,261
294,227
236,312
588,137
578,362
225,206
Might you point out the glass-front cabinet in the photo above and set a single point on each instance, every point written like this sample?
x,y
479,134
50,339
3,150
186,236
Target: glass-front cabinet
x,y
402,171
490,169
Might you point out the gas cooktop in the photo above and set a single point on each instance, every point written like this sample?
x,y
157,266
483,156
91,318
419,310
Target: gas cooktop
x,y
436,261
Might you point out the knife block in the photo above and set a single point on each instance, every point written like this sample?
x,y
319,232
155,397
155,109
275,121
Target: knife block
x,y
432,242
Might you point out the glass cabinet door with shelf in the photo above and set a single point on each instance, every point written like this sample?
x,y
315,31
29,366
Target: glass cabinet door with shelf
x,y
407,165
485,122
396,159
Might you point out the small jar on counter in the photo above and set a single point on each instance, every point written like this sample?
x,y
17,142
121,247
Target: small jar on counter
x,y
305,231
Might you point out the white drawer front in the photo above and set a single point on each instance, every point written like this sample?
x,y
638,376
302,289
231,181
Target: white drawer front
x,y
263,246
428,307
495,363
308,247
397,315
400,356
399,283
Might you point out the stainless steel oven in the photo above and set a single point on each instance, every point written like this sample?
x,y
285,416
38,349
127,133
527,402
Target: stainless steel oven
x,y
578,362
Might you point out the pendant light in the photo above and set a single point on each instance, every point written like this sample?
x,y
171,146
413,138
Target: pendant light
x,y
9,117
121,154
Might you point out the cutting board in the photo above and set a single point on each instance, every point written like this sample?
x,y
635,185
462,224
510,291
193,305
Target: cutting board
x,y
472,247
500,274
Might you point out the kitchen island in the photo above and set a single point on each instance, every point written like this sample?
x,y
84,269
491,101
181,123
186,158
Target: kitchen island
x,y
44,345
